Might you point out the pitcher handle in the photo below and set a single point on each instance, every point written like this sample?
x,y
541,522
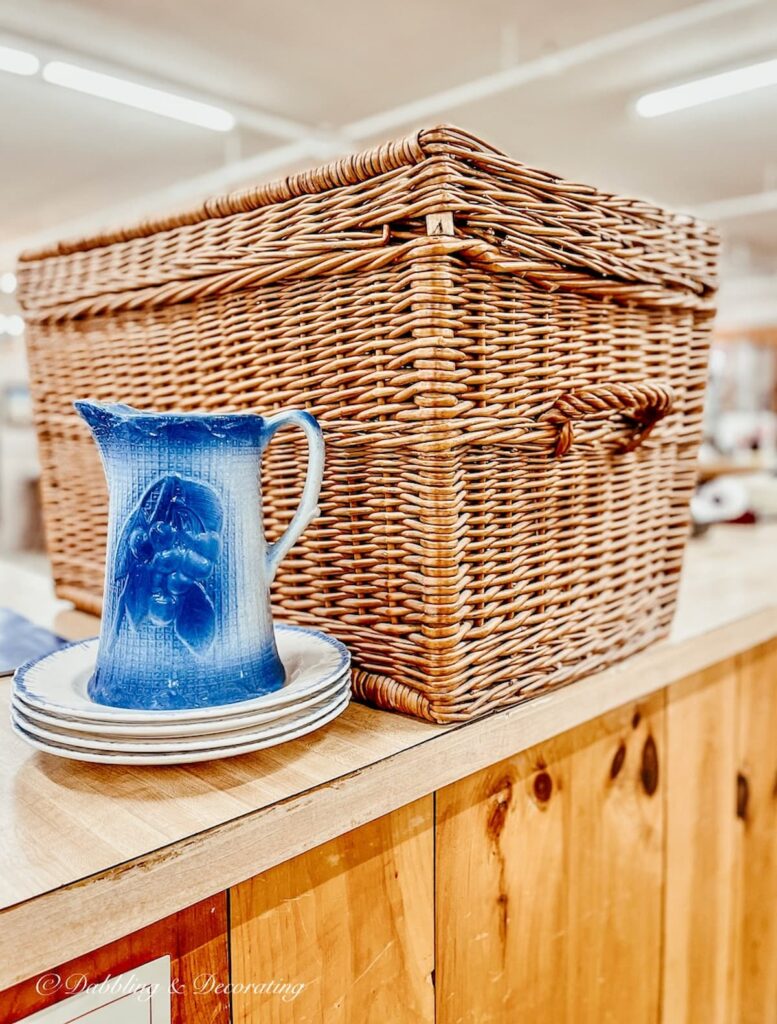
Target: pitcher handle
x,y
308,509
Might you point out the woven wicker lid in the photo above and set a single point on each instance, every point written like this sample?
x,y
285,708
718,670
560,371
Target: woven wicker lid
x,y
513,217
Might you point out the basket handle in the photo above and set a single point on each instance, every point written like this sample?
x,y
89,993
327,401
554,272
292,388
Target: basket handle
x,y
644,404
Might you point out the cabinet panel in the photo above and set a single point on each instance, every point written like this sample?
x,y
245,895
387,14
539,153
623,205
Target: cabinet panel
x,y
755,994
701,718
196,942
549,879
343,933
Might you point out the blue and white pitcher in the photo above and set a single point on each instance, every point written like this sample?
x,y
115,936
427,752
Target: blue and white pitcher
x,y
186,613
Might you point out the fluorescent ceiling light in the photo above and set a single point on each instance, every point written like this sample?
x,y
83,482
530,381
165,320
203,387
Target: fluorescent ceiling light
x,y
704,90
143,97
18,62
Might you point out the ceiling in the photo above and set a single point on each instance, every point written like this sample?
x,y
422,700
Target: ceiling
x,y
552,84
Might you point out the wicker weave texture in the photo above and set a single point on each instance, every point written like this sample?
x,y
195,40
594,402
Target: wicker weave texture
x,y
509,369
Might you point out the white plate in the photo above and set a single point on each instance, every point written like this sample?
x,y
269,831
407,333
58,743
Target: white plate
x,y
170,744
97,736
58,731
56,683
178,757
78,727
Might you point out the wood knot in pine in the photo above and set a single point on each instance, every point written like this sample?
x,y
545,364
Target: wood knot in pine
x,y
743,796
543,787
649,768
617,761
503,796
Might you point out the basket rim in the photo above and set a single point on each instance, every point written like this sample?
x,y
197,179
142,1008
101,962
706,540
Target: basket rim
x,y
443,140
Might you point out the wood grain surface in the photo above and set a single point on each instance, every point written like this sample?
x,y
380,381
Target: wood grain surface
x,y
720,948
345,932
624,870
549,880
700,847
755,962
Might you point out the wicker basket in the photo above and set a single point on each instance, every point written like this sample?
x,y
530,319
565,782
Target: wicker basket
x,y
509,369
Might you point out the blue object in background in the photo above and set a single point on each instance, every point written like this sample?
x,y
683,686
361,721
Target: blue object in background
x,y
186,613
21,641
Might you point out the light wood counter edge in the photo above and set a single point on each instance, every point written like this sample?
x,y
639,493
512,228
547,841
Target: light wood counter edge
x,y
50,929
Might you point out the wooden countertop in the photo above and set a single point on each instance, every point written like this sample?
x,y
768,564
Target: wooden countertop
x,y
89,853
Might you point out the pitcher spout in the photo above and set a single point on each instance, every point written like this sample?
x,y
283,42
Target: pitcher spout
x,y
103,418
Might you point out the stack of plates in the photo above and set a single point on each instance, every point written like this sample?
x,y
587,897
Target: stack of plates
x,y
51,709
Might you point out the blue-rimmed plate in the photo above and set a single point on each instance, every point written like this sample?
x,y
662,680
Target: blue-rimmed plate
x,y
141,730
56,683
182,756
